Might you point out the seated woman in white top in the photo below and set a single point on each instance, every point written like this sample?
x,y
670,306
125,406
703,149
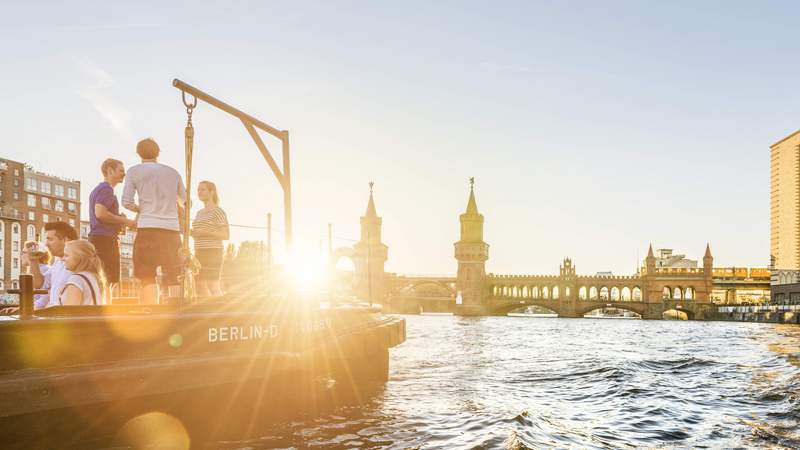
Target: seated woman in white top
x,y
86,285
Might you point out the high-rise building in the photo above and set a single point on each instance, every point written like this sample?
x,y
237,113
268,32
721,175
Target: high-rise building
x,y
785,202
29,199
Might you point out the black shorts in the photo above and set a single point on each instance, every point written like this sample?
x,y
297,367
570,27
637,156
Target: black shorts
x,y
210,263
108,251
156,247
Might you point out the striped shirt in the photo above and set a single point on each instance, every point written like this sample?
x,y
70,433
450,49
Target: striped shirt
x,y
213,220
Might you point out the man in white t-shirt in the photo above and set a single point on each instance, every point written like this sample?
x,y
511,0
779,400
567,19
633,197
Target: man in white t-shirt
x,y
57,234
161,196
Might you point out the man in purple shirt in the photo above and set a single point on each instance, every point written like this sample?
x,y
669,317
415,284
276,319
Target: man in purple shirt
x,y
105,221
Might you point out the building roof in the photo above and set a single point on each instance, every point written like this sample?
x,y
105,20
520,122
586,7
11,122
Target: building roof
x,y
786,138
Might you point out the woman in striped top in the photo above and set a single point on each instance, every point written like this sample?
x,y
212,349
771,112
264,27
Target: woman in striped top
x,y
209,229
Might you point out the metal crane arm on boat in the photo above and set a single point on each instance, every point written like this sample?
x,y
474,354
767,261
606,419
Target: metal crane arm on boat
x,y
249,122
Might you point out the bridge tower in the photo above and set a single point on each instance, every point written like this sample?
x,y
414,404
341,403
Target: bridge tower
x,y
471,252
369,256
651,290
708,272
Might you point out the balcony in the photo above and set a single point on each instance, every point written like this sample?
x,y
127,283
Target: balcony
x,y
7,212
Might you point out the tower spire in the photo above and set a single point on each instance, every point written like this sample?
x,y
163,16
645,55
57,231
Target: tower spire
x,y
650,252
371,212
708,251
472,206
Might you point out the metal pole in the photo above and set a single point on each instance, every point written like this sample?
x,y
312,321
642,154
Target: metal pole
x,y
330,240
287,191
269,240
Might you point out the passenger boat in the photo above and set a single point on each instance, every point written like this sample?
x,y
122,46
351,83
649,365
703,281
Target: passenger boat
x,y
108,364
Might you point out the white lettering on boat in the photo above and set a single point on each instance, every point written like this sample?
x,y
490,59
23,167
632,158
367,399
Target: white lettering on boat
x,y
242,333
314,326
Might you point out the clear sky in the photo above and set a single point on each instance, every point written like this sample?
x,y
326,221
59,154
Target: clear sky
x,y
592,128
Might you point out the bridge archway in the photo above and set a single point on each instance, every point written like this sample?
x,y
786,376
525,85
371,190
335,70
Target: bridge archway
x,y
555,292
677,293
342,259
625,295
673,314
637,309
603,294
582,293
615,294
636,295
546,293
550,305
688,293
666,293
593,293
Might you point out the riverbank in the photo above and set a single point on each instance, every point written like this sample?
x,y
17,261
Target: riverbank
x,y
785,314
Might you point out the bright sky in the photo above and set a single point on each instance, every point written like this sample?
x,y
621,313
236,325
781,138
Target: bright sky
x,y
592,128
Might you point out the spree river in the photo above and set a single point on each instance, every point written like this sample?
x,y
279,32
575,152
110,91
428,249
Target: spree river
x,y
521,382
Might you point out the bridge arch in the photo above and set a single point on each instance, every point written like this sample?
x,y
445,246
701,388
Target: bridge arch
x,y
550,305
625,295
614,294
604,293
677,293
666,293
546,293
593,293
635,308
636,294
583,293
688,293
555,292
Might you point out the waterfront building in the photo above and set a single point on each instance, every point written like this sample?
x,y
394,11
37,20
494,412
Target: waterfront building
x,y
29,199
785,203
665,258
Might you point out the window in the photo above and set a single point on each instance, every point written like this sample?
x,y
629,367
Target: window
x,y
71,222
45,187
60,190
16,195
15,246
31,232
58,218
46,203
45,217
1,261
15,265
31,216
73,193
16,172
30,184
16,181
59,206
72,207
31,200
15,228
14,284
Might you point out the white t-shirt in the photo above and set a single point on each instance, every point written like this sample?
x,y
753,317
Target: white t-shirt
x,y
55,279
159,188
86,288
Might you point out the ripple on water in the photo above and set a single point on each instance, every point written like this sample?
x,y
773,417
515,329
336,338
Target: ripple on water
x,y
519,383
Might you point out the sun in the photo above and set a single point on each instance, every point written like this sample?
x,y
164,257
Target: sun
x,y
307,269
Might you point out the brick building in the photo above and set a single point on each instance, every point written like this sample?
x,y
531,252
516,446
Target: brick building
x,y
29,199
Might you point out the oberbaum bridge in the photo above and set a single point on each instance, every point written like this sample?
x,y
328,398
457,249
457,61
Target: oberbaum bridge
x,y
650,293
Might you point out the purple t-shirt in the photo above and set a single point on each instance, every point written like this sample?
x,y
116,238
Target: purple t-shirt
x,y
103,194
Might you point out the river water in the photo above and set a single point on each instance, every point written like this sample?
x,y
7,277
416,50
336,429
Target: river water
x,y
520,382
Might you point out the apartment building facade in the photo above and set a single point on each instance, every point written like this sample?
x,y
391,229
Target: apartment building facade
x,y
28,200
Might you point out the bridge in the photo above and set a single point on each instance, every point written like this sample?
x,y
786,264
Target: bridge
x,y
649,293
